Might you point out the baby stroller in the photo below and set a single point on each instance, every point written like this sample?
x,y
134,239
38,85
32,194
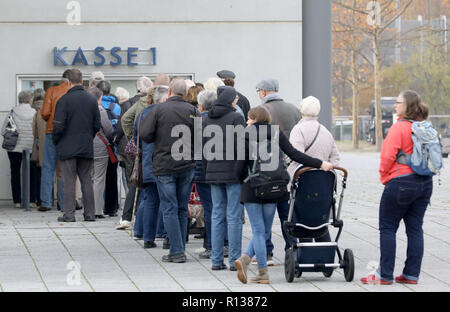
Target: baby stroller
x,y
312,197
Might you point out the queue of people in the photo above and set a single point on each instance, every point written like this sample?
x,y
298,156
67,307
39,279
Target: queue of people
x,y
88,133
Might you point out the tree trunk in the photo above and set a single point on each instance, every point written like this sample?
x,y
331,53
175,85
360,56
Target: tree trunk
x,y
378,111
355,87
355,101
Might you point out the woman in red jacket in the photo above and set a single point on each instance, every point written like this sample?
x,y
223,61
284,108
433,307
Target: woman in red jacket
x,y
406,195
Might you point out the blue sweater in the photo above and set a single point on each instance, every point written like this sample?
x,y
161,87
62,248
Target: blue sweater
x,y
147,149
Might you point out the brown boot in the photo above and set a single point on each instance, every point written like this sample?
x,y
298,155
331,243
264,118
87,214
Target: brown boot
x,y
241,265
262,277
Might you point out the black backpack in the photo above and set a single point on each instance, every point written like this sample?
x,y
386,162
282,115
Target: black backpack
x,y
267,183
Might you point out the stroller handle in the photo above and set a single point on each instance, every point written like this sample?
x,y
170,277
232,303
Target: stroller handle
x,y
303,170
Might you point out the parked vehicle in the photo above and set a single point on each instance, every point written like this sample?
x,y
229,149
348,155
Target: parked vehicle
x,y
445,142
387,111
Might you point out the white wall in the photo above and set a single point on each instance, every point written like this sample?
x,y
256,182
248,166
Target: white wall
x,y
253,38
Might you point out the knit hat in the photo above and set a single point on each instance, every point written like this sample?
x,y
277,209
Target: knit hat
x,y
224,74
226,95
268,84
310,106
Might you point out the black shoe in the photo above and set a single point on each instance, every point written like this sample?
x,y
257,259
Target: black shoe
x,y
99,216
65,219
223,266
58,207
78,207
112,214
233,268
180,258
42,208
166,244
89,219
149,245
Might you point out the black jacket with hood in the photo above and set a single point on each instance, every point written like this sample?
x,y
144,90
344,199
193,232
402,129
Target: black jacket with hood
x,y
222,114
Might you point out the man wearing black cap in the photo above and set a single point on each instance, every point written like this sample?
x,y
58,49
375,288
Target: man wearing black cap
x,y
227,77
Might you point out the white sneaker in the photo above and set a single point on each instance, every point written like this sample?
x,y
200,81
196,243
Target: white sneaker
x,y
33,205
123,225
270,261
18,205
200,250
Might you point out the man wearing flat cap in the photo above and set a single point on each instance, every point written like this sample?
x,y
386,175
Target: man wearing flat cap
x,y
286,116
227,77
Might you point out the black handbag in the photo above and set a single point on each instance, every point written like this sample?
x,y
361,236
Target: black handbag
x,y
10,134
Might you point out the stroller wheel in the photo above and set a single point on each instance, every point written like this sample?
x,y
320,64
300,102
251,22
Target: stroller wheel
x,y
349,265
289,265
328,273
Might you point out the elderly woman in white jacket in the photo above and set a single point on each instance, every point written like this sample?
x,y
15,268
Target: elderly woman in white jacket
x,y
310,137
23,118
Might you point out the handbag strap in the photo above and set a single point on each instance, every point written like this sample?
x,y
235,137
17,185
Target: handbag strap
x,y
138,136
111,154
314,140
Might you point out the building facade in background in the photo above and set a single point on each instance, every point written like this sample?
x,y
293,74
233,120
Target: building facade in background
x,y
194,39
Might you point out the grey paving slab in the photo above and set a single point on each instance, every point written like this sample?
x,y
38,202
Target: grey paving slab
x,y
35,249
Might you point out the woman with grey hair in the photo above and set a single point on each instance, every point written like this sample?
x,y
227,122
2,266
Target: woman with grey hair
x,y
122,95
102,152
205,100
22,115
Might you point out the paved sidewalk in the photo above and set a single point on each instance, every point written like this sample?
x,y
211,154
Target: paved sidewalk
x,y
37,253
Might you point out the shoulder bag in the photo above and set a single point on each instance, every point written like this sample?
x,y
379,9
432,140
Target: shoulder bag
x,y
10,134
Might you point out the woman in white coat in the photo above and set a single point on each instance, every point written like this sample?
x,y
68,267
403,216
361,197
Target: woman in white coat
x,y
22,115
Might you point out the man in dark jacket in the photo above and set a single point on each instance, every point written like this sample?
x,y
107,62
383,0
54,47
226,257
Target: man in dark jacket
x,y
286,116
228,77
75,124
225,187
174,169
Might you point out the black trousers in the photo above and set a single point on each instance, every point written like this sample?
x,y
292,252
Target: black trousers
x,y
111,191
15,161
35,183
127,213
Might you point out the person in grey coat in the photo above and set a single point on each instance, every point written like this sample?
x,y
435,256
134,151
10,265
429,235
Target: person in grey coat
x,y
101,154
23,118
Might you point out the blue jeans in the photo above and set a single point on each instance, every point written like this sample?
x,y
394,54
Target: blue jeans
x,y
174,192
47,173
261,219
160,230
404,198
204,191
226,213
147,215
283,213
